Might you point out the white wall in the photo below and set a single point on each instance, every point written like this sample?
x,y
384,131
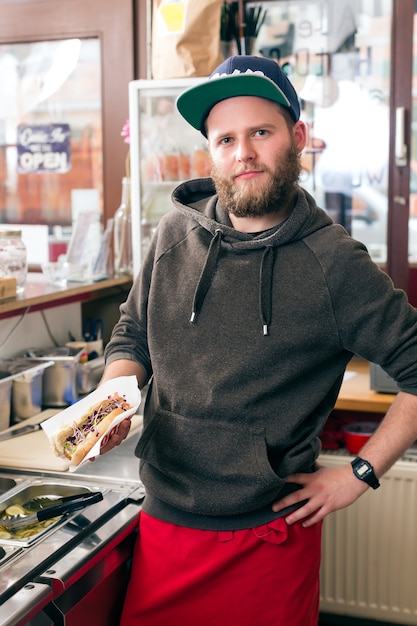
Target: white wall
x,y
30,331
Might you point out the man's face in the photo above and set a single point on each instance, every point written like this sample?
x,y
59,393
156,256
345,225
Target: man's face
x,y
254,155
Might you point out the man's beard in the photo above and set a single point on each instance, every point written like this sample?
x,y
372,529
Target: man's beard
x,y
251,199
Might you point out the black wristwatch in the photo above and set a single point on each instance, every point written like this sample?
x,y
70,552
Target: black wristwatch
x,y
364,471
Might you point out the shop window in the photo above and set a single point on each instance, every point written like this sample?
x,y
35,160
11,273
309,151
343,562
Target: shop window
x,y
50,129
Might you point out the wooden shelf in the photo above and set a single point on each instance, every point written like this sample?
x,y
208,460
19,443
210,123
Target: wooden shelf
x,y
39,295
356,393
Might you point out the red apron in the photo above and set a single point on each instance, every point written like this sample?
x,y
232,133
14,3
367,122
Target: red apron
x,y
266,576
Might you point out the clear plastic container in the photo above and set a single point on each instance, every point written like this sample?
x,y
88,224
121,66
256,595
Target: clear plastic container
x,y
13,257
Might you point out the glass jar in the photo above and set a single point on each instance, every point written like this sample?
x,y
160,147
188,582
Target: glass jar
x,y
123,257
13,257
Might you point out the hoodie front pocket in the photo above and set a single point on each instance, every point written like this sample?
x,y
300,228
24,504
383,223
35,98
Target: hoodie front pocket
x,y
206,467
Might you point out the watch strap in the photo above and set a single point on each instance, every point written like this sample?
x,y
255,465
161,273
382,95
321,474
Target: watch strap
x,y
364,471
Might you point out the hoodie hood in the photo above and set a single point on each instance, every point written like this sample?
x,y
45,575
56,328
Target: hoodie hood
x,y
197,199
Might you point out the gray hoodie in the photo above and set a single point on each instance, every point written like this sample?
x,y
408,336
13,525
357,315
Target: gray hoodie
x,y
245,340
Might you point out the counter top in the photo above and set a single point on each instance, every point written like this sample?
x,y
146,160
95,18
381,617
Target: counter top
x,y
39,295
33,453
356,393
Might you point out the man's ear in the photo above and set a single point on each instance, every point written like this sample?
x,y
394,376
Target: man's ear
x,y
299,131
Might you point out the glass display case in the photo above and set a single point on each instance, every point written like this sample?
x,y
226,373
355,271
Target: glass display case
x,y
164,151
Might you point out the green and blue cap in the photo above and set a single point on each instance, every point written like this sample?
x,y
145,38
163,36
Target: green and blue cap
x,y
241,75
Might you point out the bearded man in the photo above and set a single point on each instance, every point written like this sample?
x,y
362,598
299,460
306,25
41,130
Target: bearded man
x,y
248,307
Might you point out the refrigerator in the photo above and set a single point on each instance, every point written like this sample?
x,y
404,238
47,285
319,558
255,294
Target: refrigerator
x,y
164,151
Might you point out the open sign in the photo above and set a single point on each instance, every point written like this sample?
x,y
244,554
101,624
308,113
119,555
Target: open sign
x,y
43,148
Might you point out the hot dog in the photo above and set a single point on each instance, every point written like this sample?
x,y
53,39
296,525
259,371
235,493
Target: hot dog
x,y
74,441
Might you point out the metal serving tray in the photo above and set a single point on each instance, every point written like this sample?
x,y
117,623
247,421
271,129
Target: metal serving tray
x,y
28,493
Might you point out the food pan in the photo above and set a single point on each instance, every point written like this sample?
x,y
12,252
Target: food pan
x,y
22,395
27,494
59,386
45,508
89,375
26,396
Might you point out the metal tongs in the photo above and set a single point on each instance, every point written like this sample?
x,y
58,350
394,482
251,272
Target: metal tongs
x,y
67,504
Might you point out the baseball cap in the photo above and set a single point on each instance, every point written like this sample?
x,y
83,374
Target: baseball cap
x,y
242,75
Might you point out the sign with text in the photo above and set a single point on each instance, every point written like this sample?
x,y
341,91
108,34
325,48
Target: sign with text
x,y
43,148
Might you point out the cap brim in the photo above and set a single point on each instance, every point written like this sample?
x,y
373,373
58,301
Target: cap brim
x,y
195,103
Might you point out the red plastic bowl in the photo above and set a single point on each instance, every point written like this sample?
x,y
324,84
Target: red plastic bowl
x,y
357,434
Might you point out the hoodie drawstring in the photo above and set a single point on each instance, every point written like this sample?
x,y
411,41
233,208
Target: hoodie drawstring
x,y
265,282
265,288
206,275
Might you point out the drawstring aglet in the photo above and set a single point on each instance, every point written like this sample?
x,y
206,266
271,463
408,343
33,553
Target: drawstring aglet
x,y
265,330
192,318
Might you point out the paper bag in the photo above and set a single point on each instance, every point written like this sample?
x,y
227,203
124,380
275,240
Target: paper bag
x,y
185,38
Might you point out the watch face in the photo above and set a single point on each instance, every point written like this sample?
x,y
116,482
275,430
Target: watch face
x,y
363,469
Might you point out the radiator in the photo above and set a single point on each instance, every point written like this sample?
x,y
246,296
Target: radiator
x,y
369,557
